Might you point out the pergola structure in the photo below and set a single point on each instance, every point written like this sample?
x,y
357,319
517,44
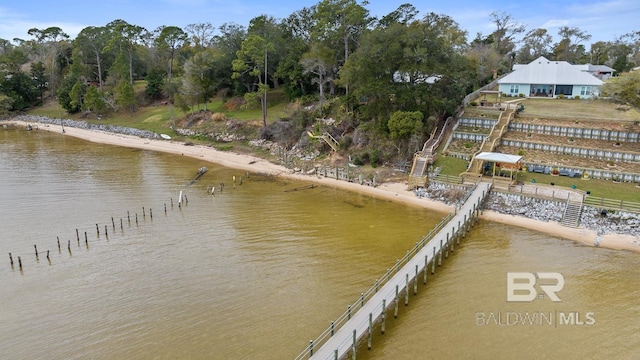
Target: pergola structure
x,y
506,161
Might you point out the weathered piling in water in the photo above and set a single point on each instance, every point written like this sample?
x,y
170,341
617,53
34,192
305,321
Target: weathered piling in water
x,y
370,331
20,263
86,239
136,218
36,250
113,223
383,316
78,235
426,264
11,259
97,230
395,301
143,214
151,213
48,259
406,291
58,237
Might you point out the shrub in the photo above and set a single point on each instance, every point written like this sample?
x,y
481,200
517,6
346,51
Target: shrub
x,y
473,103
521,152
218,116
374,158
577,97
560,96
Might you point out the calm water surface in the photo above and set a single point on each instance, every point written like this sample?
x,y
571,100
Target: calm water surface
x,y
256,271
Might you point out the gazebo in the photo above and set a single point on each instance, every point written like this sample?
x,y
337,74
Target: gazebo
x,y
506,161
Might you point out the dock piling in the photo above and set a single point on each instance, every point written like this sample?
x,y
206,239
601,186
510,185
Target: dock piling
x,y
406,290
415,282
383,315
370,331
395,309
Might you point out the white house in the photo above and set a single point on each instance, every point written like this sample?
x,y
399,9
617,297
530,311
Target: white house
x,y
602,72
547,78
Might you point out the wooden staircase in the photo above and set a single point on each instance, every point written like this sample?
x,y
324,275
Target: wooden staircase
x,y
330,140
572,213
427,156
492,141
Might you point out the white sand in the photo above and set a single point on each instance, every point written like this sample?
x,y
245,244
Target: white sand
x,y
388,191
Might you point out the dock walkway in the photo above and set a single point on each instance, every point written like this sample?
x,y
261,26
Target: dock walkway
x,y
360,323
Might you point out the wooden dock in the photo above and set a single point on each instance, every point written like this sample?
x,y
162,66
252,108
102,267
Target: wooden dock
x,y
342,337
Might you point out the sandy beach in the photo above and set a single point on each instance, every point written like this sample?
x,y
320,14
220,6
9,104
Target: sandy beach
x,y
387,191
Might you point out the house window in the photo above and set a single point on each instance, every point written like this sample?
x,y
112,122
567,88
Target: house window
x,y
564,90
585,90
513,91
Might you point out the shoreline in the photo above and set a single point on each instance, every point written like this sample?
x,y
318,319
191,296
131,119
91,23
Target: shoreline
x,y
387,191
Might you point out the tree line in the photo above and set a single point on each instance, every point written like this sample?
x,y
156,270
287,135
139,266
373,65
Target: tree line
x,y
333,54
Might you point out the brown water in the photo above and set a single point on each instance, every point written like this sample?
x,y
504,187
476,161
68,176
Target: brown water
x,y
256,271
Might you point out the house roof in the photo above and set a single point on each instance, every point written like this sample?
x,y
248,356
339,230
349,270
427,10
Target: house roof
x,y
595,68
544,71
498,157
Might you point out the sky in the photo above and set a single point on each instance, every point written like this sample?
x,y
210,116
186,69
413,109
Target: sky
x,y
604,20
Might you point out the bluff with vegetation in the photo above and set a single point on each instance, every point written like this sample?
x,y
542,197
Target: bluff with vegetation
x,y
380,85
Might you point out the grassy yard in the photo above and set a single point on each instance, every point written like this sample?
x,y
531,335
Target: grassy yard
x,y
597,188
596,109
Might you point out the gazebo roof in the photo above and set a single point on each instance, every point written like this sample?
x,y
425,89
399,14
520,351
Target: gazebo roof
x,y
499,157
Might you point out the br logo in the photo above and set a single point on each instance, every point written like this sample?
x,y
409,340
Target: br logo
x,y
521,286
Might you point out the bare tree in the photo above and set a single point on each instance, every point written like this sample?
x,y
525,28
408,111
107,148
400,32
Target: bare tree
x,y
507,29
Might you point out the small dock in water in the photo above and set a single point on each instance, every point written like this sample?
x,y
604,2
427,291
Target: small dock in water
x,y
342,337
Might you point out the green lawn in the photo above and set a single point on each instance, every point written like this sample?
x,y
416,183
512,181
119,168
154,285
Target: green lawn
x,y
596,109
